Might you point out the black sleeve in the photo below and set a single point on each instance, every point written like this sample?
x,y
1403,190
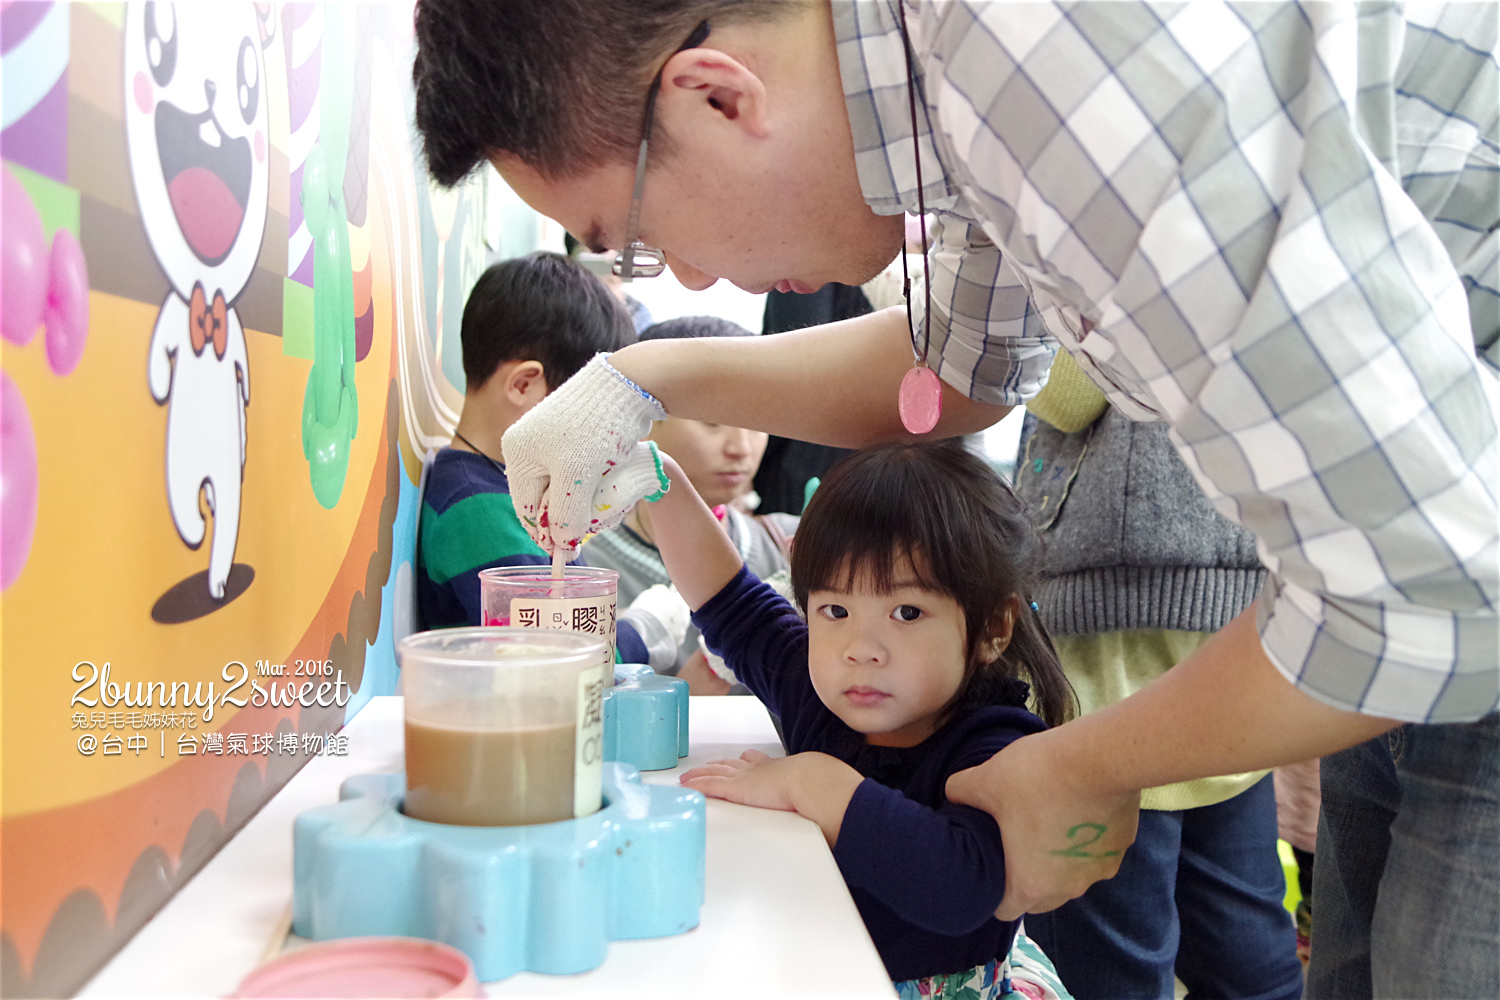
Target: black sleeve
x,y
762,639
940,867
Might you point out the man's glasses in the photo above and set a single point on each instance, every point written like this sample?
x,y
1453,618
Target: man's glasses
x,y
637,259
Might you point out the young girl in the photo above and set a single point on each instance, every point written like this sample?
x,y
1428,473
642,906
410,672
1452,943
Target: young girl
x,y
910,565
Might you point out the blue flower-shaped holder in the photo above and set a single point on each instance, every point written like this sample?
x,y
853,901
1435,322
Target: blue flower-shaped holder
x,y
545,898
645,718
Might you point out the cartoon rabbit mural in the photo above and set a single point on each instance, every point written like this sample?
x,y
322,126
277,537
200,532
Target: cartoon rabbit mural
x,y
196,134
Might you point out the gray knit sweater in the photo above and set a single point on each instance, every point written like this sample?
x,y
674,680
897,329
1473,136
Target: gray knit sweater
x,y
1131,541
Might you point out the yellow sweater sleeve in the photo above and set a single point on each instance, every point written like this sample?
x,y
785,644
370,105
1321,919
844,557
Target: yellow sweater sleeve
x,y
1070,400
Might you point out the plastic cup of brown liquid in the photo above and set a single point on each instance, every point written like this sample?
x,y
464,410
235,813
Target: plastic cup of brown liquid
x,y
504,726
581,600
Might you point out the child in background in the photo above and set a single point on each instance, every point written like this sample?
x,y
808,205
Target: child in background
x,y
912,664
600,266
1132,582
720,462
1299,800
529,324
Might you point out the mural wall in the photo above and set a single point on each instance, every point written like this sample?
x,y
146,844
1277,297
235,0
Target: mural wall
x,y
230,316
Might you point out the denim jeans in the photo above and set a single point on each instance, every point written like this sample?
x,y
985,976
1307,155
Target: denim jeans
x,y
1406,889
1200,894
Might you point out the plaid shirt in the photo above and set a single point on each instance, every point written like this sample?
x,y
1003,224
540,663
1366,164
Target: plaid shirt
x,y
1272,226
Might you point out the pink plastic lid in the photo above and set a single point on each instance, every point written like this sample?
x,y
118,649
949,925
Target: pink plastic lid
x,y
365,967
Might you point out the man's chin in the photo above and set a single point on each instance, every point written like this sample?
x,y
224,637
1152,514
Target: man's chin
x,y
874,265
859,271
794,285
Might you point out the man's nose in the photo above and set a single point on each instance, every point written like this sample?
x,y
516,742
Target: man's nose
x,y
689,276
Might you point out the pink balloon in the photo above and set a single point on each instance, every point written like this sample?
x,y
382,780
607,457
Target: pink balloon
x,y
23,263
67,304
18,482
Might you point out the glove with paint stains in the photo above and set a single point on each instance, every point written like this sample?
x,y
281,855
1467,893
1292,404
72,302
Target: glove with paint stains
x,y
576,462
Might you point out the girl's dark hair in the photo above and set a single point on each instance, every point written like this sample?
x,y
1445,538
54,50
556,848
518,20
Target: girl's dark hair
x,y
684,327
966,536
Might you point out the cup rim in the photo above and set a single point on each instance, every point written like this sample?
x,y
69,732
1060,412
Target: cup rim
x,y
572,648
543,573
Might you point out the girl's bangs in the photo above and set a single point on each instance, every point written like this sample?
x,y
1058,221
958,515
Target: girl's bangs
x,y
879,513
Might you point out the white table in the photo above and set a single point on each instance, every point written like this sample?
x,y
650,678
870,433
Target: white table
x,y
777,920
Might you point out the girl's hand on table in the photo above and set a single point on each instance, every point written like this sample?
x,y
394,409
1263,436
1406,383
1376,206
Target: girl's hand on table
x,y
815,785
751,779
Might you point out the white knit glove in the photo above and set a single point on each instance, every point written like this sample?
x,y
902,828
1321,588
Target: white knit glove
x,y
575,461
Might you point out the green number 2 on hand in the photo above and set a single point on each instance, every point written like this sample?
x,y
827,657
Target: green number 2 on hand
x,y
1077,850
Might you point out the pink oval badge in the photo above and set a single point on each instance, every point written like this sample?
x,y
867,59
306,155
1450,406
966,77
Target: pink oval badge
x,y
921,400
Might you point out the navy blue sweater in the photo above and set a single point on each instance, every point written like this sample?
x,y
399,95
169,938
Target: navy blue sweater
x,y
925,873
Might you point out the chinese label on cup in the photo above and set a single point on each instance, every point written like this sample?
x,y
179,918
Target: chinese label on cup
x,y
588,765
592,615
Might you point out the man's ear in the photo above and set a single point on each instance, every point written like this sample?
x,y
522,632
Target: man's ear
x,y
526,385
711,80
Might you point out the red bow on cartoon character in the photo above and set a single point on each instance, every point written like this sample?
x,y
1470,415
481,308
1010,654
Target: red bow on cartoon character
x,y
208,322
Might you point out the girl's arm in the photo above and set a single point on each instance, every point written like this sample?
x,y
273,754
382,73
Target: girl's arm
x,y
941,869
697,552
813,785
757,631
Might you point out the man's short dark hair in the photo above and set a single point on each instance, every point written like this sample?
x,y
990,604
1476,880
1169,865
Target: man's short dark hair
x,y
694,326
541,307
559,84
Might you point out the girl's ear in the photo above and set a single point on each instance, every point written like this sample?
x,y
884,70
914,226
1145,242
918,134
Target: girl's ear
x,y
1002,627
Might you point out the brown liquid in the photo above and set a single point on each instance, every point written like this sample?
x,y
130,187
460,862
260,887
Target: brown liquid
x,y
489,777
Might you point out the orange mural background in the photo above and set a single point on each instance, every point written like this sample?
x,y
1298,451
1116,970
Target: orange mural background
x,y
134,433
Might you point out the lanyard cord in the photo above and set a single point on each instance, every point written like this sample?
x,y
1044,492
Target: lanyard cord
x,y
911,93
498,467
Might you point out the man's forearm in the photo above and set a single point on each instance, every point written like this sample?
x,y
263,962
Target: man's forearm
x,y
1224,710
834,384
1067,799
